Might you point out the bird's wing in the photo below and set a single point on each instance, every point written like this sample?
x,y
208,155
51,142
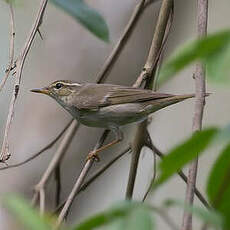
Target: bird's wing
x,y
94,96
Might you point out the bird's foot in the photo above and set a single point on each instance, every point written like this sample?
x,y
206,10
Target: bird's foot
x,y
93,156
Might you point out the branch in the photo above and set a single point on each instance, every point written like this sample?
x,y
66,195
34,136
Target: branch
x,y
11,48
147,73
199,75
4,156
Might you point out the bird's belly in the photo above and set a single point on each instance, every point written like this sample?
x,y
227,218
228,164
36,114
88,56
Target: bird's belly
x,y
117,115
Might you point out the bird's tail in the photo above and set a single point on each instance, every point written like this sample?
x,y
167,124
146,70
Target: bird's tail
x,y
161,103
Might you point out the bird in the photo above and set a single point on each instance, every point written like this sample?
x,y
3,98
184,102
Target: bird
x,y
108,106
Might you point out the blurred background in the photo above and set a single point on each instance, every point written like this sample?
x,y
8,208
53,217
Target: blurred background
x,y
69,51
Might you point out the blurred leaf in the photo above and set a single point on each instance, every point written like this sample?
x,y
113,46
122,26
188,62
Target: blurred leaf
x,y
118,223
212,50
28,216
87,16
139,218
224,134
185,152
218,186
114,213
217,64
208,216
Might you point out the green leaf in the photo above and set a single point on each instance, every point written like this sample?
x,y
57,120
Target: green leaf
x,y
217,64
208,216
139,218
218,186
185,152
118,223
87,16
208,49
28,216
224,135
116,212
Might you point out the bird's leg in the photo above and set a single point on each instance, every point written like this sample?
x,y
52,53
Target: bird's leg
x,y
119,137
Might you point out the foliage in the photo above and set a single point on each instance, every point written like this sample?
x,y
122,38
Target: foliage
x,y
218,186
185,152
208,216
26,214
124,215
213,51
87,16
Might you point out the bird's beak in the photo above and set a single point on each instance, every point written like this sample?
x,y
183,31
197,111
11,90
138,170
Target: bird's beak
x,y
42,90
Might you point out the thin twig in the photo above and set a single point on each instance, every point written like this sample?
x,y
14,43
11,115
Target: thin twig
x,y
150,145
5,154
11,48
148,74
199,75
35,155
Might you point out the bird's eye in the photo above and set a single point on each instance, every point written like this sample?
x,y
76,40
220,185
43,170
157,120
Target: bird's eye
x,y
58,85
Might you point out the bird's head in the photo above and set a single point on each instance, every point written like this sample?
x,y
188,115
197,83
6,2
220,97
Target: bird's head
x,y
60,90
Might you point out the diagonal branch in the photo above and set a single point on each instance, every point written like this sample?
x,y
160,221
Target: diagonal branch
x,y
5,154
202,19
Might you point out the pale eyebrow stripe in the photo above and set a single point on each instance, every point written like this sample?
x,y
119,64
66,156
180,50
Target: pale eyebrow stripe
x,y
66,83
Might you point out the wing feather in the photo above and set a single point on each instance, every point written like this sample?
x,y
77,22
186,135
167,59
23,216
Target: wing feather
x,y
94,96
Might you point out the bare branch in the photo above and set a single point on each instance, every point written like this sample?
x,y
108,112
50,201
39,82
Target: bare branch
x,y
199,75
11,48
5,154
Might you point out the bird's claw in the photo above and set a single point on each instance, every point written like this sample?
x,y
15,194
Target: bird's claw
x,y
93,156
